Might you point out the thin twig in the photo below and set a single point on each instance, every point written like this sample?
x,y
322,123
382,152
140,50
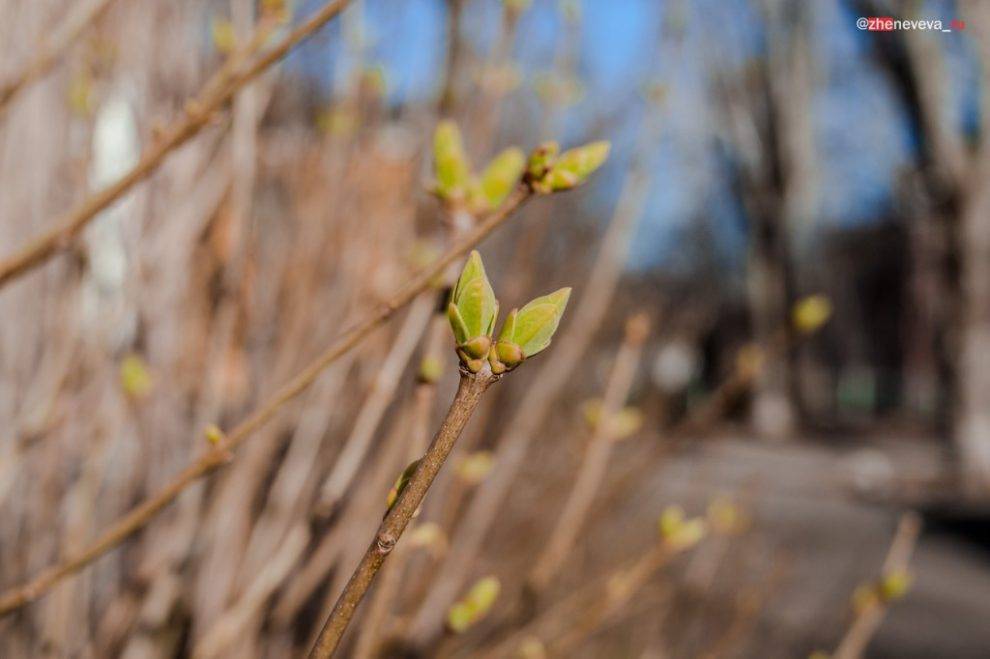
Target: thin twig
x,y
383,389
51,48
199,112
513,446
232,623
469,394
593,466
375,623
585,609
140,515
868,620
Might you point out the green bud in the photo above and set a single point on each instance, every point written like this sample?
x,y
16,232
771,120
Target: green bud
x,y
472,313
452,170
678,532
400,484
430,369
478,347
484,593
541,159
135,379
497,181
509,353
214,435
894,586
506,355
531,328
475,605
671,520
473,364
460,617
574,166
498,368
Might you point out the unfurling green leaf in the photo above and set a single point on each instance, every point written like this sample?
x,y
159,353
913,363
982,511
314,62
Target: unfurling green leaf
x,y
573,167
457,323
452,170
570,169
527,331
536,322
496,182
475,605
400,484
472,312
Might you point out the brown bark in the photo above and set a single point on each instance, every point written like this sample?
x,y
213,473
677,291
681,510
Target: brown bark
x,y
469,393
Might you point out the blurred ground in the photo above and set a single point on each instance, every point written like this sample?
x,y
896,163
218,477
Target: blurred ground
x,y
812,540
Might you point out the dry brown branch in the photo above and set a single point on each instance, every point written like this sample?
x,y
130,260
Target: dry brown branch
x,y
140,515
373,409
52,47
592,470
469,394
551,380
869,618
332,548
583,611
232,623
376,620
240,69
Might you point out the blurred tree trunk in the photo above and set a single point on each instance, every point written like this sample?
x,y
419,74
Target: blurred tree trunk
x,y
773,143
768,284
955,183
454,61
972,431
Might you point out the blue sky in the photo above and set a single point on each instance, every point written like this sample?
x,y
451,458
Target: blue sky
x,y
861,135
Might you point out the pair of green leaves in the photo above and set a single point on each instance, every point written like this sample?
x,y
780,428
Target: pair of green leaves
x,y
455,182
546,171
473,311
549,171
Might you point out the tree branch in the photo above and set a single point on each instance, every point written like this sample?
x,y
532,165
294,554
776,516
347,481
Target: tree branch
x,y
469,392
595,462
220,455
868,620
552,378
51,48
238,71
